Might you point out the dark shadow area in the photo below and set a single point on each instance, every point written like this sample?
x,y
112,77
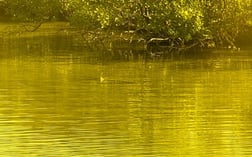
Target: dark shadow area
x,y
245,38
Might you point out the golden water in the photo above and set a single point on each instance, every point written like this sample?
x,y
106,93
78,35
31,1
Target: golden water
x,y
52,103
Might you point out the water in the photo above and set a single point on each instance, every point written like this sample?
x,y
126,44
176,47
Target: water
x,y
53,102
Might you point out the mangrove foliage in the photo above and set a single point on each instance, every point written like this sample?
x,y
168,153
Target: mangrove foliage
x,y
179,23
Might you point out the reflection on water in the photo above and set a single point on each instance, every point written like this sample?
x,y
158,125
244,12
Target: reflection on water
x,y
54,104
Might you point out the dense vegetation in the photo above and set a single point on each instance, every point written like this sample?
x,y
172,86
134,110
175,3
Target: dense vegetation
x,y
205,22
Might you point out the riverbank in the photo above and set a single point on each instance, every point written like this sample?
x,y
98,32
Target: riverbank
x,y
27,29
108,39
98,39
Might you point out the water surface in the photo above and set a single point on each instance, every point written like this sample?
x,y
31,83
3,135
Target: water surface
x,y
52,102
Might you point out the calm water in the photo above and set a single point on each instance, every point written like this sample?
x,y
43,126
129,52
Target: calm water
x,y
53,103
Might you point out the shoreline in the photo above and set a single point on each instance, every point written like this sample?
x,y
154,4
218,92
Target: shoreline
x,y
111,39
